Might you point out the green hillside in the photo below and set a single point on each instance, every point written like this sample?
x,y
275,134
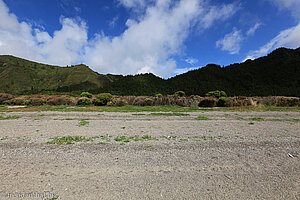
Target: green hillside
x,y
275,74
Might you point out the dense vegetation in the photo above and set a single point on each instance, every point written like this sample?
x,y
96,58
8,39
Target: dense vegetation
x,y
277,74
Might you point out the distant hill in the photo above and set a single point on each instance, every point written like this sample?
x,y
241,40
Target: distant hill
x,y
275,74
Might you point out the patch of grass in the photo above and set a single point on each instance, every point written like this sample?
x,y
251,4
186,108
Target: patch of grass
x,y
277,120
3,138
83,122
257,119
70,139
202,118
102,143
183,140
42,115
240,118
138,114
134,138
251,123
9,117
168,114
169,137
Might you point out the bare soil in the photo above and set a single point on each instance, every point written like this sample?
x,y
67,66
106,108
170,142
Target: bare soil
x,y
235,155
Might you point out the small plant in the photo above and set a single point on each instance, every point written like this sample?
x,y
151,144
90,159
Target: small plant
x,y
86,94
70,139
102,99
83,122
9,117
183,140
222,101
202,118
168,114
3,138
137,114
179,94
257,119
251,123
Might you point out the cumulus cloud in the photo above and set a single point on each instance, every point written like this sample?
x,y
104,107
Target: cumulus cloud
x,y
148,44
231,42
20,39
291,5
289,38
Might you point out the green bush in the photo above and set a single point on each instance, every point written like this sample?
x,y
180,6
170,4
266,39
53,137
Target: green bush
x,y
208,102
222,101
216,94
158,95
84,101
179,94
148,102
102,99
86,94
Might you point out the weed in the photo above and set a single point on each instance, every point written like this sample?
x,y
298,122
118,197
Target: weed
x,y
202,118
9,117
277,120
138,114
83,122
169,114
251,123
257,119
3,138
102,143
70,139
183,140
240,118
42,115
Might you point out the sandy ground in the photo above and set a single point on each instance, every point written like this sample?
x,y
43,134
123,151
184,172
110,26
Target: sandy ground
x,y
230,156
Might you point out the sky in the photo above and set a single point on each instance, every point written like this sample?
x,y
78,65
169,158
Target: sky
x,y
164,37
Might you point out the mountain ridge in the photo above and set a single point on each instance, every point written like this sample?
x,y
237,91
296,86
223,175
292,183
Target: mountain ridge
x,y
278,73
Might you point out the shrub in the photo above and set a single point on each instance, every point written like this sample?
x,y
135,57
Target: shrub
x,y
35,101
102,99
86,94
216,94
208,102
179,94
84,101
148,102
59,100
158,95
222,101
117,102
5,97
17,101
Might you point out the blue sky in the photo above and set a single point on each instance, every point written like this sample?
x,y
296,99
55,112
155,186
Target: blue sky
x,y
165,37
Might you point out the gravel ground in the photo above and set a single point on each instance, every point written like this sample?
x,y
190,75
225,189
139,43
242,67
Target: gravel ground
x,y
234,155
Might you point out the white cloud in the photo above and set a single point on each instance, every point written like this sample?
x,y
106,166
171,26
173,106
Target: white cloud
x,y
191,61
291,5
253,29
19,38
149,43
231,42
215,13
289,38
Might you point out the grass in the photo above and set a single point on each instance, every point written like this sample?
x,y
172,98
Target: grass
x,y
3,138
129,108
70,139
126,139
202,118
9,117
83,122
257,119
168,114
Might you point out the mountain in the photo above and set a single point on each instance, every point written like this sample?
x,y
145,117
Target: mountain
x,y
275,74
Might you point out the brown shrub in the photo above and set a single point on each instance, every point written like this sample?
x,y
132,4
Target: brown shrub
x,y
35,101
287,101
208,102
60,100
239,101
117,101
5,97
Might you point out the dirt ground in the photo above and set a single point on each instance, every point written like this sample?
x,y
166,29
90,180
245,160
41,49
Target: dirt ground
x,y
234,155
